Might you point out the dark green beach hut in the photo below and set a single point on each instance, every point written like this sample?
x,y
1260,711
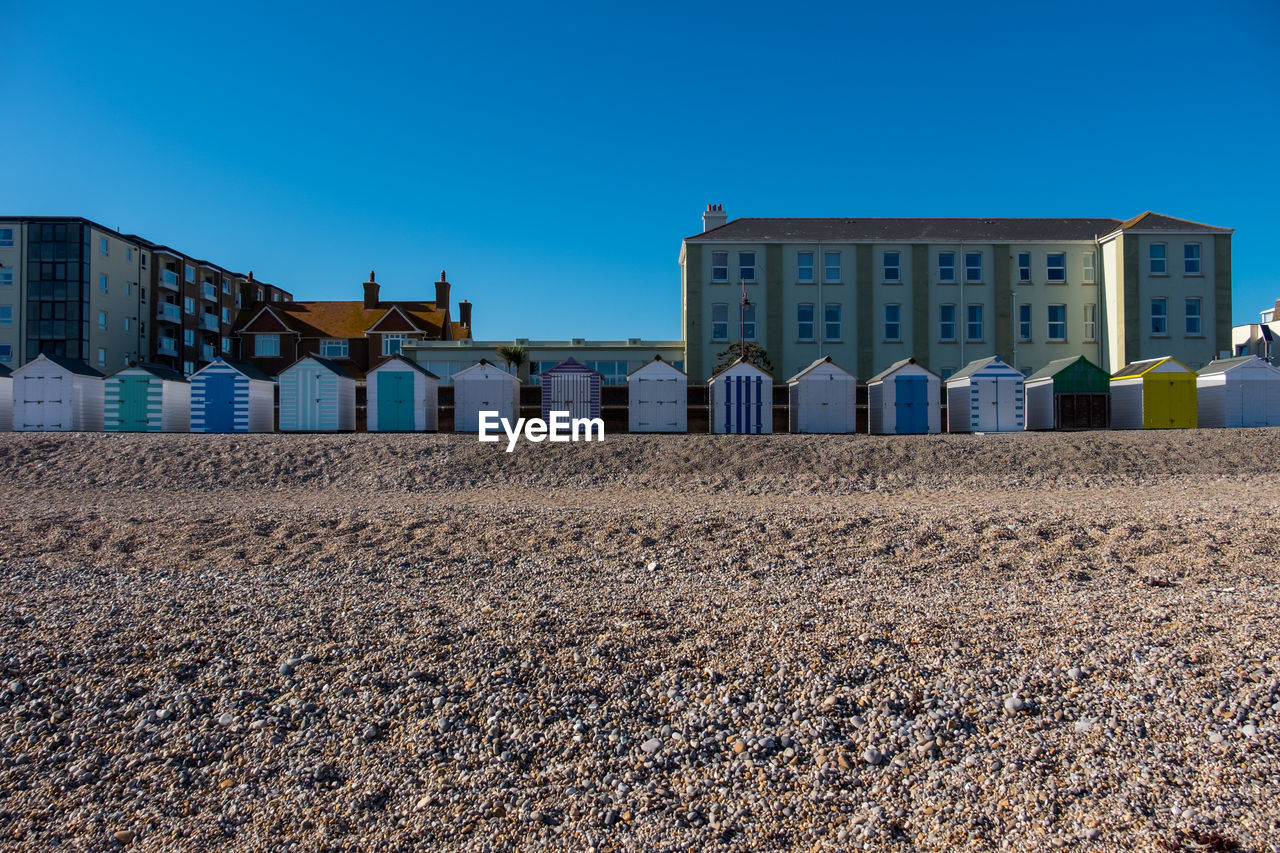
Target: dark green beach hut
x,y
1069,393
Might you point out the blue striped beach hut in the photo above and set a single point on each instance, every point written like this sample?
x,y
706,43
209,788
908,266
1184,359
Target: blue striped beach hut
x,y
986,395
741,400
232,397
146,398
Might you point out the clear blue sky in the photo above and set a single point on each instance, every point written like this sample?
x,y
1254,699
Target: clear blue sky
x,y
552,156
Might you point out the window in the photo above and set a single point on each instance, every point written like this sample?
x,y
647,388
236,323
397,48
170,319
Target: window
x,y
892,267
1191,259
226,345
1193,317
391,344
104,249
831,316
946,322
275,296
804,322
974,331
6,351
831,264
265,346
226,285
188,305
191,273
128,254
719,267
226,315
1024,322
720,322
144,260
1160,317
748,322
1090,321
102,353
804,267
6,314
893,322
1156,259
188,368
947,372
1090,276
1057,322
259,294
102,282
747,266
1024,267
612,372
972,266
334,348
6,277
1056,266
6,241
189,337
128,324
102,320
947,267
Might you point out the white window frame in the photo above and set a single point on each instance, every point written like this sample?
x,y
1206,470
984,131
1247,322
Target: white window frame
x,y
128,253
1055,273
1024,269
720,328
188,305
828,265
6,353
266,346
399,337
189,274
1063,322
1198,316
1090,322
970,322
188,367
893,327
102,356
1163,260
801,267
226,345
828,323
226,314
748,321
1162,316
1090,268
329,348
943,322
895,267
6,277
1188,261
801,322
969,268
942,279
1024,322
747,272
719,271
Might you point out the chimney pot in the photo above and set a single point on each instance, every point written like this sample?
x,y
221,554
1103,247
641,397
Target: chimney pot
x,y
714,217
442,275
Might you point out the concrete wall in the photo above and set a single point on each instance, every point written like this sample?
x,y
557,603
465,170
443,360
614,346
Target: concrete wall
x,y
122,340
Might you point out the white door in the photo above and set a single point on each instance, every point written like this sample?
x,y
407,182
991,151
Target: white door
x,y
29,402
987,393
308,400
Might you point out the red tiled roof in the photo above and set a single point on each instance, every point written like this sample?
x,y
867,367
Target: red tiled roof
x,y
345,319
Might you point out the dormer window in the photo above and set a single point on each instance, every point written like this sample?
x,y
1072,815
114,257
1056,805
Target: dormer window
x,y
391,344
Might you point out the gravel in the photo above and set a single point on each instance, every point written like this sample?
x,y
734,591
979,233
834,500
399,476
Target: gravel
x,y
318,642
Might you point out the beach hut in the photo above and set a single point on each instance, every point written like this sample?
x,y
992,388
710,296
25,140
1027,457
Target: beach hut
x,y
1158,393
571,387
741,399
317,395
1069,393
402,397
484,387
658,398
6,399
823,398
146,398
1238,392
56,393
232,397
985,396
904,400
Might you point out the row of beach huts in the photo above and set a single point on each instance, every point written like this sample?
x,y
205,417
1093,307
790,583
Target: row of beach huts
x,y
318,395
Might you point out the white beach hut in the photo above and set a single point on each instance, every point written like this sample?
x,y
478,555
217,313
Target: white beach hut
x,y
146,398
484,387
403,397
6,399
571,387
741,400
823,398
55,393
1238,392
658,398
317,395
232,397
904,400
986,395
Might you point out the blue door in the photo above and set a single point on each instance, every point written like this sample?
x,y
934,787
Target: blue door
x,y
912,395
219,402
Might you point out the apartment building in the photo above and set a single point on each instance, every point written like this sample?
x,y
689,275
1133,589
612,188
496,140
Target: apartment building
x,y
1261,339
869,292
74,288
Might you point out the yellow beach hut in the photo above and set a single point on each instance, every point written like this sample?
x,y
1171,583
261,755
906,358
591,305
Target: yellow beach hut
x,y
1158,393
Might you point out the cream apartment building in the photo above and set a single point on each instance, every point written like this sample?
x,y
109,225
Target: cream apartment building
x,y
869,292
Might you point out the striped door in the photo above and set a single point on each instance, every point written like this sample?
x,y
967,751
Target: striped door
x,y
308,400
743,403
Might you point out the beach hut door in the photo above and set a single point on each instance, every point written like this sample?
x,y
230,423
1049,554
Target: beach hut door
x,y
308,400
395,400
36,395
572,393
134,391
219,402
911,399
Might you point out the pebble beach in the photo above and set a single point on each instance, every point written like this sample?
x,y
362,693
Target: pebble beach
x,y
1004,642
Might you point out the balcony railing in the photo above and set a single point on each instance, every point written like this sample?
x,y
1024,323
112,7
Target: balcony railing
x,y
209,292
206,352
168,313
169,279
167,346
209,322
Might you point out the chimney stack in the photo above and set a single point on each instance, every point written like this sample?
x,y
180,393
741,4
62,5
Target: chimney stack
x,y
713,217
442,292
371,292
464,315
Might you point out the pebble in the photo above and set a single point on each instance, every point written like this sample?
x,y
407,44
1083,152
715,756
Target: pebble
x,y
871,755
225,720
1075,673
124,836
1014,703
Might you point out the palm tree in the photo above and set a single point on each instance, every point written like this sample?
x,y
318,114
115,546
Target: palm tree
x,y
514,356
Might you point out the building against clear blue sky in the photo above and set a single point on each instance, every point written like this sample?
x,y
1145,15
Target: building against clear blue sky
x,y
553,157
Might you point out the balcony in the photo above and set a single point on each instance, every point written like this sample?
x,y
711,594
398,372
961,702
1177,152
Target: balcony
x,y
167,346
209,292
206,352
167,312
169,280
209,322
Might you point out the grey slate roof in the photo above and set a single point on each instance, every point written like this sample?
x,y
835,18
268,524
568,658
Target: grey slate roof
x,y
71,365
1150,221
826,359
410,362
976,365
897,364
1058,364
159,371
1222,365
331,366
907,230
